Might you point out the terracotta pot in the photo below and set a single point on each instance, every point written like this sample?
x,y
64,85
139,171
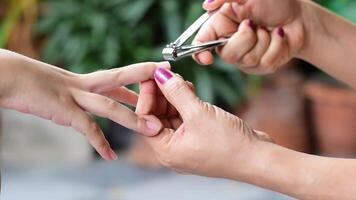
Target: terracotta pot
x,y
333,110
279,111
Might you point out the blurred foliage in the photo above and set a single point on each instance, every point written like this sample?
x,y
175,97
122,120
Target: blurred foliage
x,y
345,8
13,14
87,35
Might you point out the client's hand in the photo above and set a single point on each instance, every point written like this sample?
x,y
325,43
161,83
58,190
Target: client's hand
x,y
197,137
68,99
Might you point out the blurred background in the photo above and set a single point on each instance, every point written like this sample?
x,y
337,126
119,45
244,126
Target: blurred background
x,y
300,107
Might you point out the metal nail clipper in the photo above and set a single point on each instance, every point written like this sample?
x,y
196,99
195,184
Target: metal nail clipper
x,y
178,50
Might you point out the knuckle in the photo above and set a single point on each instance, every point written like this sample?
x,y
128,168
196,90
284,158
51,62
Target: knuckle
x,y
229,57
110,104
267,66
250,60
92,127
176,88
102,144
196,112
117,77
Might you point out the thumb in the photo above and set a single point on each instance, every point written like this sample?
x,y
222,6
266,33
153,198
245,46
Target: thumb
x,y
177,92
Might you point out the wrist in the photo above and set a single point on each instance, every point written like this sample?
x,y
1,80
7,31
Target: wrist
x,y
256,156
273,167
314,28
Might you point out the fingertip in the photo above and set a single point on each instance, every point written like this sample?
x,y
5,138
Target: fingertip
x,y
211,5
112,154
108,154
163,64
247,24
153,125
204,58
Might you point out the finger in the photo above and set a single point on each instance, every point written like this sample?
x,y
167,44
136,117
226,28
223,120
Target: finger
x,y
240,43
147,99
219,26
276,53
103,81
109,108
253,58
123,95
171,110
177,92
85,124
204,58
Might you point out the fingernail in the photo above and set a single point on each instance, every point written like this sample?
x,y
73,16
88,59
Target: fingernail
x,y
251,24
179,76
153,126
112,154
164,64
281,32
264,28
208,1
198,60
162,75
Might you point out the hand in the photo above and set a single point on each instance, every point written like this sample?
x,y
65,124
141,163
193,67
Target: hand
x,y
265,34
197,137
68,99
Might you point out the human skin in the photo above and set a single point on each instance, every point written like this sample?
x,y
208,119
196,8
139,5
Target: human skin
x,y
202,139
70,99
265,34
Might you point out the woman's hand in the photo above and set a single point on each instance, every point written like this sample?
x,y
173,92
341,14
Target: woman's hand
x,y
68,99
197,137
265,34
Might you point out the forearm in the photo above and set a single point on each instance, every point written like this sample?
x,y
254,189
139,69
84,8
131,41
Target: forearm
x,y
300,175
331,42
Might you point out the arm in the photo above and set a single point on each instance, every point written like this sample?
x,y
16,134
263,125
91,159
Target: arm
x,y
202,139
297,174
330,42
271,32
70,99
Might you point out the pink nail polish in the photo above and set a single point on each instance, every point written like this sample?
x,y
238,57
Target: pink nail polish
x,y
281,32
264,28
251,24
208,1
162,75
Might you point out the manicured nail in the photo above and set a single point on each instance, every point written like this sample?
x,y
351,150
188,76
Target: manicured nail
x,y
162,75
112,154
153,126
251,24
264,28
208,1
281,32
